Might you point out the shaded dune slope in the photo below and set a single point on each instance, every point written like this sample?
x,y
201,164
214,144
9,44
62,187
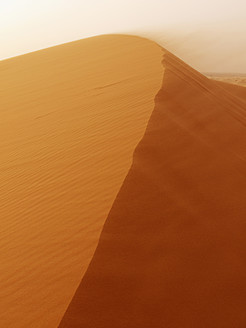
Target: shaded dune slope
x,y
71,117
172,251
236,90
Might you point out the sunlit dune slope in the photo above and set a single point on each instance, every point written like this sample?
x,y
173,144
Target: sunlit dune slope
x,y
172,251
70,119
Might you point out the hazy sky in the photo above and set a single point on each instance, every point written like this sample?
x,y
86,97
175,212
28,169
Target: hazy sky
x,y
28,25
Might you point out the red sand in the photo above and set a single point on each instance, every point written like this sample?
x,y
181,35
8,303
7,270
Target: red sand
x,y
172,251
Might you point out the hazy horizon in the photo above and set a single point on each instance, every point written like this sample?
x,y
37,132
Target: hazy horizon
x,y
191,29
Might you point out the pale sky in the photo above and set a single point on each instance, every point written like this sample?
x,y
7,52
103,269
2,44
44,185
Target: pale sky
x,y
29,25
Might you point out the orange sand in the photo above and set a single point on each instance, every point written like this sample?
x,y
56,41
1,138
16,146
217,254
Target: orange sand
x,y
172,251
231,79
236,90
71,117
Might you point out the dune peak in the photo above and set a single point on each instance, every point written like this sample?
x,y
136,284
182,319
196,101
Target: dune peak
x,y
171,253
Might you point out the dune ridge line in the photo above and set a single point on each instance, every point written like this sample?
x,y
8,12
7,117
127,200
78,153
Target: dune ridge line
x,y
70,118
171,253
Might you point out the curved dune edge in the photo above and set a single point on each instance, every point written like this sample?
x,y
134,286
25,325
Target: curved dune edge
x,y
172,250
71,117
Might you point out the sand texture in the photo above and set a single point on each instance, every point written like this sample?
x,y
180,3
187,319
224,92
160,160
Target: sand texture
x,y
172,251
231,79
122,190
71,117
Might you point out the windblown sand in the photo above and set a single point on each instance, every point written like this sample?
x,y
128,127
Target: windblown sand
x,y
172,250
230,78
71,117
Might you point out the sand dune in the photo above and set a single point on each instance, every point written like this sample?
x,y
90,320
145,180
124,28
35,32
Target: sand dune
x,y
71,117
235,89
172,251
217,48
233,79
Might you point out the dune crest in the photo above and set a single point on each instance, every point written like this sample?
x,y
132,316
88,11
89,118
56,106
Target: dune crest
x,y
172,250
71,117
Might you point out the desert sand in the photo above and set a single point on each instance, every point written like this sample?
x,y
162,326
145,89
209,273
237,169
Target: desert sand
x,y
172,250
123,190
71,117
229,78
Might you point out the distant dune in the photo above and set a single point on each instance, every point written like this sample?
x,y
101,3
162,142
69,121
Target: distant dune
x,y
75,152
71,117
231,79
218,47
172,251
